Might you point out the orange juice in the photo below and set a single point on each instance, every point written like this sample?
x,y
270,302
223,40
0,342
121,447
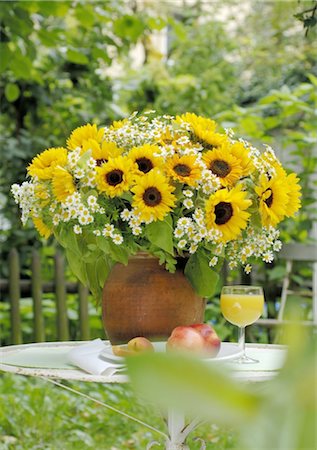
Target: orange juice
x,y
241,309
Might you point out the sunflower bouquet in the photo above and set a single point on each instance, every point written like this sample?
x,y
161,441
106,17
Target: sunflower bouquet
x,y
169,186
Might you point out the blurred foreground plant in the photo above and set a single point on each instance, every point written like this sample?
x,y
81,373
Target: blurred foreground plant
x,y
286,405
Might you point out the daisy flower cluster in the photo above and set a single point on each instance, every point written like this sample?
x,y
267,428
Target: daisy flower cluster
x,y
170,186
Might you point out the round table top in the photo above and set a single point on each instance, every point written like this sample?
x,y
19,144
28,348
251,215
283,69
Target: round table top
x,y
271,359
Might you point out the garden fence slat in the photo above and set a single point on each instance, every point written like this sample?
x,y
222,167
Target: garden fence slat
x,y
39,333
14,294
60,294
83,312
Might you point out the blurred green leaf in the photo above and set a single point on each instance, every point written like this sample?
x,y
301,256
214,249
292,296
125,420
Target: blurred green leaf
x,y
128,27
76,57
12,92
190,386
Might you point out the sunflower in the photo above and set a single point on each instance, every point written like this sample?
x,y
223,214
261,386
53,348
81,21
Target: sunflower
x,y
116,124
144,157
168,138
294,194
102,152
226,166
44,164
82,134
214,140
184,169
239,151
42,194
63,184
116,176
41,227
200,126
226,212
153,197
273,199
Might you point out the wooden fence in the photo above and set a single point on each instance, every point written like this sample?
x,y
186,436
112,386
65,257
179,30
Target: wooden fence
x,y
16,287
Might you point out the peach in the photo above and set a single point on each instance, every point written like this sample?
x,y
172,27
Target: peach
x,y
211,340
134,346
121,351
140,344
185,338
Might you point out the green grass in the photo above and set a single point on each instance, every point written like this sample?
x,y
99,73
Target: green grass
x,y
37,415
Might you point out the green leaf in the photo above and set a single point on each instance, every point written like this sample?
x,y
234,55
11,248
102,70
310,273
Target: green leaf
x,y
97,272
12,92
5,56
312,79
189,385
160,233
128,27
76,57
77,266
85,15
68,240
21,65
200,275
116,252
100,53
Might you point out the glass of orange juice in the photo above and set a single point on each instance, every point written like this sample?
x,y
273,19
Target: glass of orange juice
x,y
241,306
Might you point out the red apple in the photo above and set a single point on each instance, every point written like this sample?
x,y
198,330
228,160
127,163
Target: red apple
x,y
211,339
185,338
140,344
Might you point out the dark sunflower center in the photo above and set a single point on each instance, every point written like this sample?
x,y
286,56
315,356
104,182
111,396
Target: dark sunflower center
x,y
144,164
152,196
223,212
220,168
269,200
182,170
114,177
100,162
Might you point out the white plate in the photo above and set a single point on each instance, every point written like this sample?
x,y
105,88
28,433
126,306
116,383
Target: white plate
x,y
228,350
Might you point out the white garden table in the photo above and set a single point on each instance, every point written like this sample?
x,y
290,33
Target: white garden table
x,y
14,359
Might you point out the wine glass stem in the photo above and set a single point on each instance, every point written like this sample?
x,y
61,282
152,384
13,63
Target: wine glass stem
x,y
242,339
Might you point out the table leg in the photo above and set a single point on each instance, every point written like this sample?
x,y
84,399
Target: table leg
x,y
176,425
178,430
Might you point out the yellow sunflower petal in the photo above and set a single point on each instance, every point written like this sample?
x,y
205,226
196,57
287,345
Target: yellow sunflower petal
x,y
82,134
200,126
273,199
116,124
41,227
101,152
241,153
62,184
294,195
213,140
44,164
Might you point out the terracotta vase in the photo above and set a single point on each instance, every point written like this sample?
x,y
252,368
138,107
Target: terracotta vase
x,y
144,299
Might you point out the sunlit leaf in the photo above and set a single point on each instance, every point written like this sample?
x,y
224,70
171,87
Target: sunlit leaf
x,y
12,92
77,57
